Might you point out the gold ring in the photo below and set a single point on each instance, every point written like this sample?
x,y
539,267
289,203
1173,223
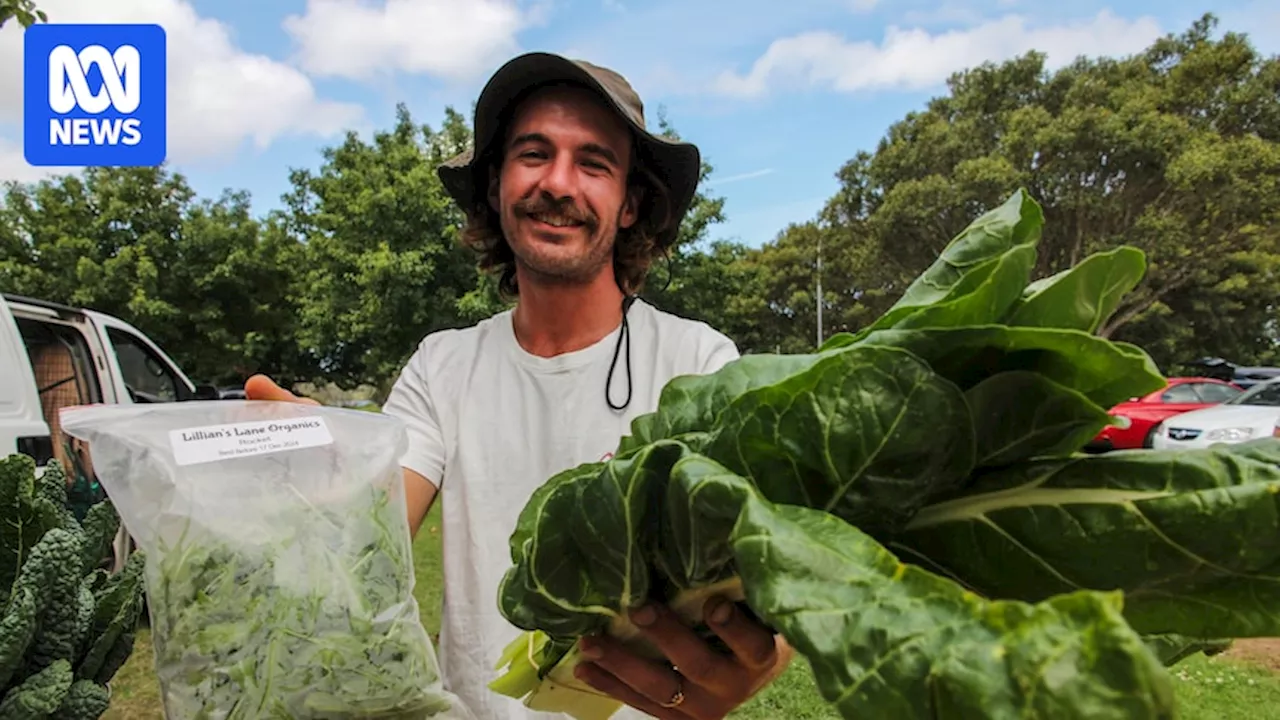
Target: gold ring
x,y
677,697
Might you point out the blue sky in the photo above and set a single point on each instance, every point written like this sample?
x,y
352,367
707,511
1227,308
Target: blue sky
x,y
776,94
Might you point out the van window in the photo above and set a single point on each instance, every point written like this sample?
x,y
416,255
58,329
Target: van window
x,y
148,378
63,367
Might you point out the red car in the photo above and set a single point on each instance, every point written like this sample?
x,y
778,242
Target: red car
x,y
1142,414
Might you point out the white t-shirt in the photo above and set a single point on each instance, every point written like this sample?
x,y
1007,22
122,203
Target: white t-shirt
x,y
488,423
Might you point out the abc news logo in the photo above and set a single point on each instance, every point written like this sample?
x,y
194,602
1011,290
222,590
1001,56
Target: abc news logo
x,y
69,89
94,95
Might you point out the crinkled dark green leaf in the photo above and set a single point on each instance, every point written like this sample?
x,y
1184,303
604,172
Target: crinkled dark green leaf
x,y
38,696
27,515
691,403
1192,536
579,565
701,505
1018,415
948,432
867,433
889,640
1106,372
100,525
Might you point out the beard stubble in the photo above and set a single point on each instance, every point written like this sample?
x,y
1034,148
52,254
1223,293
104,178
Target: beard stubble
x,y
579,269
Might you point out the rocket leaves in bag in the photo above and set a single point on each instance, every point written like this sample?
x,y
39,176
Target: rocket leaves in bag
x,y
279,569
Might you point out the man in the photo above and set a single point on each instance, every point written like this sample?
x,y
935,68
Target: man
x,y
569,199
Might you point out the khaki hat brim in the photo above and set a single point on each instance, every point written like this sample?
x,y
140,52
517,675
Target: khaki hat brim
x,y
676,162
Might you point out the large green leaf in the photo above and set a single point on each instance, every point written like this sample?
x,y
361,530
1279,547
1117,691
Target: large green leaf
x,y
1018,415
690,403
868,433
1106,372
577,559
885,439
1192,537
1084,296
984,268
982,296
535,509
888,640
702,503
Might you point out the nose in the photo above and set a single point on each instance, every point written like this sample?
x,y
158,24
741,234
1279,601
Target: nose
x,y
560,178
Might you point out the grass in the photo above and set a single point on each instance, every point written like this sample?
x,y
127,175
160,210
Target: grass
x,y
1207,688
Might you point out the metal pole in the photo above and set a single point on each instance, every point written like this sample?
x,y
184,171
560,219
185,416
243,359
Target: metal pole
x,y
819,290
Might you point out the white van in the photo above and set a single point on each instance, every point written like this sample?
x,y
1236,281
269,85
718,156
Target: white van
x,y
53,356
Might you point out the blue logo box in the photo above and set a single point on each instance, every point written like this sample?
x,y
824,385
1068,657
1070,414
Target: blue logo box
x,y
94,95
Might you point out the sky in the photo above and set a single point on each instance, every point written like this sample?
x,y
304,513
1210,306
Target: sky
x,y
777,94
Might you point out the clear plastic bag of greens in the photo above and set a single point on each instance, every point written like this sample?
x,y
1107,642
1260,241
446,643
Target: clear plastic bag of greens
x,y
279,569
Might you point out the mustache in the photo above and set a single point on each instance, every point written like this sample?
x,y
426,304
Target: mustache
x,y
547,205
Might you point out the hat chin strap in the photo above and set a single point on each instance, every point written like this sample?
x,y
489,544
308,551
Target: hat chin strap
x,y
627,302
625,332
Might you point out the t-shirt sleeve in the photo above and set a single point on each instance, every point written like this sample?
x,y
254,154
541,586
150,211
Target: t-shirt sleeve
x,y
411,401
722,352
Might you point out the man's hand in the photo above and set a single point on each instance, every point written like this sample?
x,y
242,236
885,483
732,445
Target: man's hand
x,y
705,684
261,387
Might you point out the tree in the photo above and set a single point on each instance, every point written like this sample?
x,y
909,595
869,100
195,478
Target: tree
x,y
199,277
705,279
382,266
1175,150
24,10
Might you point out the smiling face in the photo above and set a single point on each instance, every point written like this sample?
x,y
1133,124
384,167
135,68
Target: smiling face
x,y
561,193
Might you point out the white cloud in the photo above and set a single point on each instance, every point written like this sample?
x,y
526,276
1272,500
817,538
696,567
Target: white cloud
x,y
864,5
219,94
916,59
740,177
455,39
13,165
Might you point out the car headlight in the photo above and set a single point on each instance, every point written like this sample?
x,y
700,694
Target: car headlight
x,y
1232,434
1121,421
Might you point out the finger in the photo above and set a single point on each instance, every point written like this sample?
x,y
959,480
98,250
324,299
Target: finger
x,y
607,683
261,387
697,661
656,681
754,645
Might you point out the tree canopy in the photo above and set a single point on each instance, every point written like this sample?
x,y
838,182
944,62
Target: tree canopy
x,y
1175,150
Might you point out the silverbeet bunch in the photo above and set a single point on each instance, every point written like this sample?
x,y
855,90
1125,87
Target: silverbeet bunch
x,y
909,507
66,623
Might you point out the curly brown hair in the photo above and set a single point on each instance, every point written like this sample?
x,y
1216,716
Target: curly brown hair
x,y
634,249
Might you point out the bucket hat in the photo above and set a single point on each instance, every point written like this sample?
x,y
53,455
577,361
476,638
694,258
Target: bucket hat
x,y
676,163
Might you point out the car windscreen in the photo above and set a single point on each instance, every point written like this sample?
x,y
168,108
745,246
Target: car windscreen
x,y
1268,395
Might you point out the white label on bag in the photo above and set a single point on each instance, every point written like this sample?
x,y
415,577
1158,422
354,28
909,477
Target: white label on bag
x,y
211,443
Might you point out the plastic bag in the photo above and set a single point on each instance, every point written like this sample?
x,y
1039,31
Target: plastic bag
x,y
279,568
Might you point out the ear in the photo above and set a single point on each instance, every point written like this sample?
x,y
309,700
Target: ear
x,y
631,207
492,193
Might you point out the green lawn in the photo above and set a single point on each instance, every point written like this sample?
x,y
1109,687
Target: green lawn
x,y
1218,688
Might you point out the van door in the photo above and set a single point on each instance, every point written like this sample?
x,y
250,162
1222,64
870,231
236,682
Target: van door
x,y
144,373
64,359
22,425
